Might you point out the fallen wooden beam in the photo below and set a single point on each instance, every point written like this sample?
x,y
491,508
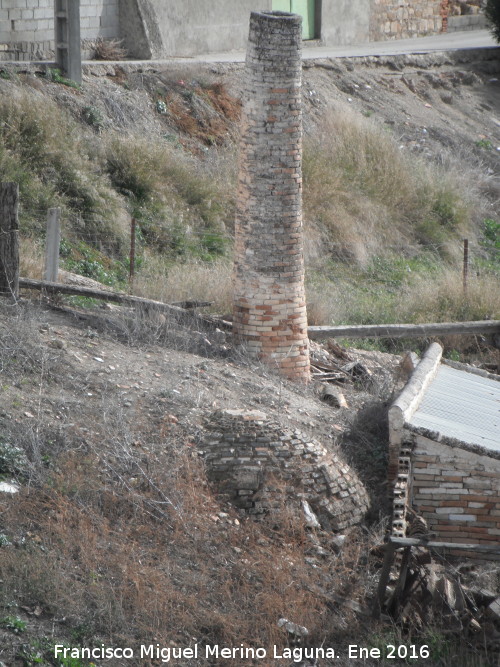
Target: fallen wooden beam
x,y
103,295
430,544
358,331
180,314
405,330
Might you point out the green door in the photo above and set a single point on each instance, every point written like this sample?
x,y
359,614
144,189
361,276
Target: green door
x,y
306,9
281,5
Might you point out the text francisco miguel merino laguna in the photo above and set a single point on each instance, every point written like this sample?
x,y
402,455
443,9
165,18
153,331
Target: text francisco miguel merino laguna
x,y
171,653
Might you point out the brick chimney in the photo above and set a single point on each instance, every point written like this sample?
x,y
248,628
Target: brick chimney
x,y
269,307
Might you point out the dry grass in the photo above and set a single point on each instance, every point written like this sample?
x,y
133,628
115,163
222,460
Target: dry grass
x,y
399,292
108,49
31,257
104,547
190,280
362,194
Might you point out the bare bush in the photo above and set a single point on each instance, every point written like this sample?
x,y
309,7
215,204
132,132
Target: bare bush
x,y
109,49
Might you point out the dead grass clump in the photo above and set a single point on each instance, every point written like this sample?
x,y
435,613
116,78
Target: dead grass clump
x,y
364,195
21,352
442,299
108,49
192,280
400,290
31,257
208,114
47,153
177,205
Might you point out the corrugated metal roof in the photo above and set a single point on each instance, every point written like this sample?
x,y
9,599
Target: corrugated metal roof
x,y
461,405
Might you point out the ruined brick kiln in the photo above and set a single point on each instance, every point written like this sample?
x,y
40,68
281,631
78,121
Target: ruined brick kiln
x,y
261,465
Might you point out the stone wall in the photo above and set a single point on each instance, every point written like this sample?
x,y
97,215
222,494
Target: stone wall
x,y
261,465
468,22
400,20
269,308
27,26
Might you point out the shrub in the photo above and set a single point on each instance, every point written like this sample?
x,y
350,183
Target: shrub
x,y
109,49
492,11
13,460
46,152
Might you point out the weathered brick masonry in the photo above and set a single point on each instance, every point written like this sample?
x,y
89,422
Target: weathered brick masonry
x,y
269,300
260,466
457,491
444,454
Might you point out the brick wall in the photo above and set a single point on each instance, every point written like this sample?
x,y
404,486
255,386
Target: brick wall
x,y
27,26
457,491
261,465
269,309
399,20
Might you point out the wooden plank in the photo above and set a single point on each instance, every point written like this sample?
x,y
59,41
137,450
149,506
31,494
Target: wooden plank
x,y
416,542
384,579
405,330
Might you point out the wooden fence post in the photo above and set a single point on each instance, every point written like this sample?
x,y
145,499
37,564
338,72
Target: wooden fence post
x,y
385,573
52,241
9,240
132,255
466,264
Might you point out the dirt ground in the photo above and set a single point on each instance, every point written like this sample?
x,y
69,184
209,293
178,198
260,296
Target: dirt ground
x,y
69,382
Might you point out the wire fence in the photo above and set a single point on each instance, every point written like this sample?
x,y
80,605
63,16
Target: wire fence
x,y
87,243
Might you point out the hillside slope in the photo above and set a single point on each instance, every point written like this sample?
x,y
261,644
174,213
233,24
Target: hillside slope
x,y
116,536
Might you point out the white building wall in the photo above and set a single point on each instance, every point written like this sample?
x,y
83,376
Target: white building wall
x,y
27,26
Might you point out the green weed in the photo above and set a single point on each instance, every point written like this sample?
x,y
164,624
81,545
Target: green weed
x,y
484,143
54,75
94,117
14,624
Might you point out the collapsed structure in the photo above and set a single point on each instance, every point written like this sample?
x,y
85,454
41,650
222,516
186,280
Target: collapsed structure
x,y
262,466
444,451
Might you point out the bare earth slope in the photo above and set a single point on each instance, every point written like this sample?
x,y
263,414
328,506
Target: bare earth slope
x,y
115,535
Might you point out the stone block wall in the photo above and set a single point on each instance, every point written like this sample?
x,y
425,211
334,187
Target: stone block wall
x,y
27,26
255,461
400,20
457,491
467,22
269,308
99,18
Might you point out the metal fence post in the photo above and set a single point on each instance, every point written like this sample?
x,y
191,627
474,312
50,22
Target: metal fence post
x,y
466,264
132,255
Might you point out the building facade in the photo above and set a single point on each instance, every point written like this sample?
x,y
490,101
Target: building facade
x,y
159,29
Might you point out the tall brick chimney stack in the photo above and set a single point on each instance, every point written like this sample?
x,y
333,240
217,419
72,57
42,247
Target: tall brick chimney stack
x,y
269,308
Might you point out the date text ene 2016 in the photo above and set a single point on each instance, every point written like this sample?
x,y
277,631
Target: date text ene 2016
x,y
391,652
